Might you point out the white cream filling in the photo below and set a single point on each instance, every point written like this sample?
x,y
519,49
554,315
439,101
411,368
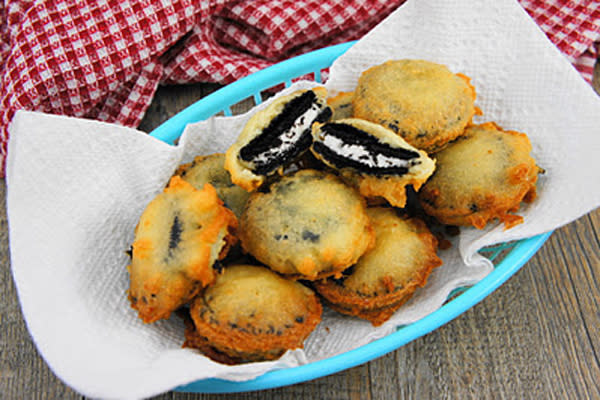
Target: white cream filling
x,y
360,154
290,136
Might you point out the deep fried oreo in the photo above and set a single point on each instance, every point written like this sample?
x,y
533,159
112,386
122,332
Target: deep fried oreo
x,y
309,225
386,276
251,314
180,235
421,101
211,169
377,161
275,136
341,105
483,175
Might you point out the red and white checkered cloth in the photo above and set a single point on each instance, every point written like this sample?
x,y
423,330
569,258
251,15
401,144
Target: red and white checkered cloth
x,y
104,59
573,26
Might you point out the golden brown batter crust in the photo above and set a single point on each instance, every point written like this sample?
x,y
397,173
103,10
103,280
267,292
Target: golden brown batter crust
x,y
211,169
180,235
341,105
308,226
421,101
483,175
252,314
386,276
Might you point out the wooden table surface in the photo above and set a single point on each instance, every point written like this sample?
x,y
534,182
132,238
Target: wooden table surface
x,y
536,337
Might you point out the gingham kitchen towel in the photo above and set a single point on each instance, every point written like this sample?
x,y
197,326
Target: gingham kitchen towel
x,y
104,59
573,26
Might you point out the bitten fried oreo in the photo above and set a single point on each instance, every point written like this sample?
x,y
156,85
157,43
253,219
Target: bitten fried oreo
x,y
373,158
421,101
309,225
275,136
211,169
251,314
386,276
180,235
483,175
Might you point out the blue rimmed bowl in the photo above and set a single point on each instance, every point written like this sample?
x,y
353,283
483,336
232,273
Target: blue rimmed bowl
x,y
508,258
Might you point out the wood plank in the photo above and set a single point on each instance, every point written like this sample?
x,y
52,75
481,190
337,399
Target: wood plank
x,y
169,100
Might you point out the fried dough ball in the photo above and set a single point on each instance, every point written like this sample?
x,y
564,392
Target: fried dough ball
x,y
421,101
211,169
372,158
483,175
309,225
386,276
180,235
275,136
251,314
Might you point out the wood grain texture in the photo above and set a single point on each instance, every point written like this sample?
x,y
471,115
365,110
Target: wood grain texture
x,y
537,336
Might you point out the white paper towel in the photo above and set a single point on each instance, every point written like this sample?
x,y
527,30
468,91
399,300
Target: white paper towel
x,y
76,189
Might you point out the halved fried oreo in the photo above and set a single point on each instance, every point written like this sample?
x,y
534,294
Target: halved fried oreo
x,y
371,157
276,136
